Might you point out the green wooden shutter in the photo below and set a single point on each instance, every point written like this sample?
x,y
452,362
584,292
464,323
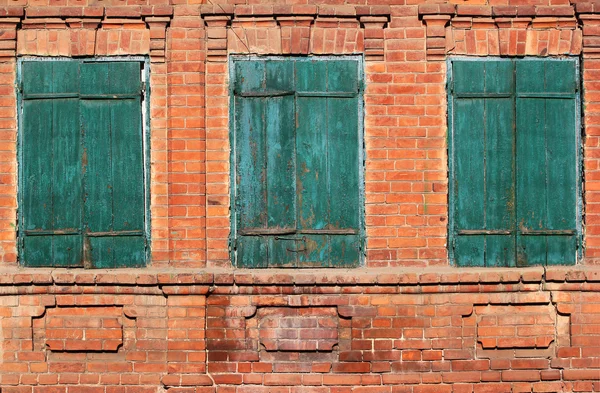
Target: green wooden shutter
x,y
51,153
84,119
483,176
112,128
513,139
296,138
546,162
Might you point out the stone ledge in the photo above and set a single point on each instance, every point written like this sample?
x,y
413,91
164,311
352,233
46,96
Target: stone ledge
x,y
434,276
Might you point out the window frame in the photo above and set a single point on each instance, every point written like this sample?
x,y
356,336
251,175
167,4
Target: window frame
x,y
579,132
146,147
233,233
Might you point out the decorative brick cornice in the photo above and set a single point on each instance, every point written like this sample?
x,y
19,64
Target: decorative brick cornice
x,y
502,30
297,29
84,31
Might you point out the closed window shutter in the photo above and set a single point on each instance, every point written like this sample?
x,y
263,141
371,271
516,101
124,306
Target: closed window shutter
x,y
97,172
546,162
265,160
297,163
511,120
51,140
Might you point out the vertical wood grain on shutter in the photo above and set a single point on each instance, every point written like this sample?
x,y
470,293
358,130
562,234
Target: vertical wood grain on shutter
x,y
265,173
51,165
546,162
114,204
483,154
293,144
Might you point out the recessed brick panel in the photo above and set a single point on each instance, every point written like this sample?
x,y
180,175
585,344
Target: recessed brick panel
x,y
298,329
85,329
516,326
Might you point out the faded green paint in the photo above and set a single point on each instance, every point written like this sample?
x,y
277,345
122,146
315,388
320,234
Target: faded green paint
x,y
514,162
297,149
82,164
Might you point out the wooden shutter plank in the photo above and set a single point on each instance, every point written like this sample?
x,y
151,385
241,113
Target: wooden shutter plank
x,y
100,252
51,165
312,168
65,78
561,165
469,172
343,152
251,163
561,76
468,77
549,198
37,166
531,76
316,251
102,78
98,181
499,181
129,251
98,208
124,78
500,250
531,179
280,162
252,251
52,172
66,162
546,76
313,180
561,250
279,75
344,161
499,77
499,164
67,184
483,163
98,162
283,250
128,181
127,165
249,76
37,172
50,77
38,251
37,77
342,76
95,78
345,250
562,179
311,76
469,250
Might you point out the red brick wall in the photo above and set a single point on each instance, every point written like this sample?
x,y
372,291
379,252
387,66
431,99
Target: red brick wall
x,y
405,322
531,330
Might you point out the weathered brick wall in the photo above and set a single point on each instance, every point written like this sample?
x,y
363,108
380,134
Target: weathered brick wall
x,y
405,322
531,330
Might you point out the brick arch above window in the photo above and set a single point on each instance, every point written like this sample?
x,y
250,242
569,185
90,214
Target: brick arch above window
x,y
295,30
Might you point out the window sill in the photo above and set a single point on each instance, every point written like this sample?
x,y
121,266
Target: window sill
x,y
416,278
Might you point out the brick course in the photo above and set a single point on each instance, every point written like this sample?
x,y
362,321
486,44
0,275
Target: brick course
x,y
405,322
